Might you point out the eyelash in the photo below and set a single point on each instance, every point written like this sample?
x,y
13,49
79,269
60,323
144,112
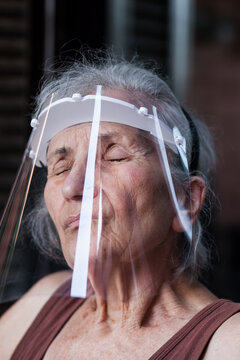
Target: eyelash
x,y
117,160
61,172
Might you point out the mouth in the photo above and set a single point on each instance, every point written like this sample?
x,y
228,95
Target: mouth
x,y
72,222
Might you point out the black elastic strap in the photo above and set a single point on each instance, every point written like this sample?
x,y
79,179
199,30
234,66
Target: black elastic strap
x,y
193,166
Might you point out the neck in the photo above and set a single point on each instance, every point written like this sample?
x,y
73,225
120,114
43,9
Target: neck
x,y
135,294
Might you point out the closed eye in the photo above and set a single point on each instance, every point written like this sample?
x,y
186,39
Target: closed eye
x,y
115,153
61,171
117,160
62,165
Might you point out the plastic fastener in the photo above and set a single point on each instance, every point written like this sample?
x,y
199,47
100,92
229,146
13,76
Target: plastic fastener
x,y
143,110
32,154
34,123
77,97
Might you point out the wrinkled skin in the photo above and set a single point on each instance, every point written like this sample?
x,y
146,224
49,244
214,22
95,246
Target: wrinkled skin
x,y
137,211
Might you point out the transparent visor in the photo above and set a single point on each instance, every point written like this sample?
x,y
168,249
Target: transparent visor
x,y
104,187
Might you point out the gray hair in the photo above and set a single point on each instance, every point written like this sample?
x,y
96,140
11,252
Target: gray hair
x,y
146,88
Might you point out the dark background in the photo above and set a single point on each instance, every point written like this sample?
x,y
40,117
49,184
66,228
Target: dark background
x,y
34,34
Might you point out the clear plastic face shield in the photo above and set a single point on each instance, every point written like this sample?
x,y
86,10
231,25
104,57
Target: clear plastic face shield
x,y
111,193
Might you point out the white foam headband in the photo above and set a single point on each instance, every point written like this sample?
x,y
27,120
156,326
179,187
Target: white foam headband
x,y
75,110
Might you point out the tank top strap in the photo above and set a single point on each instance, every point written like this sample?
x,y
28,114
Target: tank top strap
x,y
47,324
190,342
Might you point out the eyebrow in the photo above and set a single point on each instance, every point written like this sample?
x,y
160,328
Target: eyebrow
x,y
59,151
108,136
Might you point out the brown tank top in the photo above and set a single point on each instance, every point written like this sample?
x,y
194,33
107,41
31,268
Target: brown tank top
x,y
188,343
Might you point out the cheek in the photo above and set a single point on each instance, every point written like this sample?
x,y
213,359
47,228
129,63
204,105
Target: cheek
x,y
144,181
52,197
131,189
150,196
125,185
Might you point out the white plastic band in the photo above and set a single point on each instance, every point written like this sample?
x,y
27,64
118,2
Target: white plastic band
x,y
80,270
185,221
99,218
180,142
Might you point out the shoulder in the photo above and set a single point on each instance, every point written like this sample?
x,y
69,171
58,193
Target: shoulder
x,y
225,343
16,320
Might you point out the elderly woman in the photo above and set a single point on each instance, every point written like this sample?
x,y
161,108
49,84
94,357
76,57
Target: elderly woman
x,y
127,178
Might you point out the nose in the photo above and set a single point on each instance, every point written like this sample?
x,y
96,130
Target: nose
x,y
73,185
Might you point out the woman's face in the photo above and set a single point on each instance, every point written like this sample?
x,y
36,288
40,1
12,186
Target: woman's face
x,y
136,209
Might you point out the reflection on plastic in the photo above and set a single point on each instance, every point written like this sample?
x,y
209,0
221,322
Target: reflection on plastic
x,y
10,223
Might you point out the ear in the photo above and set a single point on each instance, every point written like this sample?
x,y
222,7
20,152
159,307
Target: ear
x,y
197,197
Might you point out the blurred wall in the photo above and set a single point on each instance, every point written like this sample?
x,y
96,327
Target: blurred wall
x,y
14,88
213,92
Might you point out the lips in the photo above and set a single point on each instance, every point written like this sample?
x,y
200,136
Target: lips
x,y
73,221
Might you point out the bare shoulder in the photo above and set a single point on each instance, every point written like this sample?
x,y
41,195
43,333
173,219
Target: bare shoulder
x,y
16,320
225,343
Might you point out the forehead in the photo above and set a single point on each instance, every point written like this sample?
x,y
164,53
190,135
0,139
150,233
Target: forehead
x,y
80,134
